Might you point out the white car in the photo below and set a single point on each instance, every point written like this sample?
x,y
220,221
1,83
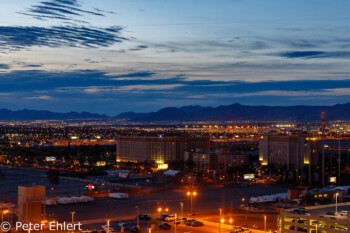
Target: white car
x,y
105,228
344,213
170,218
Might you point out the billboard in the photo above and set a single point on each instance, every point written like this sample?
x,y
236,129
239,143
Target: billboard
x,y
249,176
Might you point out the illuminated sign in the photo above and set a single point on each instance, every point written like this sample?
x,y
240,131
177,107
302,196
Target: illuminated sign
x,y
101,163
162,166
50,159
248,176
333,179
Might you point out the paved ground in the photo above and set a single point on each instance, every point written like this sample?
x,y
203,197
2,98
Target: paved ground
x,y
206,203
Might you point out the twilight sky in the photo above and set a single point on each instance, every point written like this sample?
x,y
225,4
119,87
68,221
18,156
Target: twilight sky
x,y
112,56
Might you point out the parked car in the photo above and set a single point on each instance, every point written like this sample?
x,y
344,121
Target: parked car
x,y
144,217
134,229
164,226
177,222
162,217
330,213
123,224
344,213
196,224
255,226
189,221
182,219
170,218
105,228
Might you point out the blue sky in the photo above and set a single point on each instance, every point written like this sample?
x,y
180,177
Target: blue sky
x,y
112,56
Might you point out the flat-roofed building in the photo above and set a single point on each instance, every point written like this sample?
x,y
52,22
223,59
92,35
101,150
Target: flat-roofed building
x,y
213,161
158,149
292,151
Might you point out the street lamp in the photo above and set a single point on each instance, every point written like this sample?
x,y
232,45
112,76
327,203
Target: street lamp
x,y
336,203
108,225
192,195
2,214
72,218
221,220
265,223
231,221
160,209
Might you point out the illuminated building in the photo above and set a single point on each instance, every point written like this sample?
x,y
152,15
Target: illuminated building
x,y
158,149
213,161
292,151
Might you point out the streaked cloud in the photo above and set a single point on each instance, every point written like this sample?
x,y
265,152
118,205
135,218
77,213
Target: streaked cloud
x,y
4,66
16,38
59,9
316,54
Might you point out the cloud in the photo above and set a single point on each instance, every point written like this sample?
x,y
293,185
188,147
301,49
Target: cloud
x,y
59,9
138,48
94,90
42,97
129,88
4,66
14,38
315,54
79,34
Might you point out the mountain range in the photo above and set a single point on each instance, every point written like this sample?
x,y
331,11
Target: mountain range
x,y
243,112
26,114
234,112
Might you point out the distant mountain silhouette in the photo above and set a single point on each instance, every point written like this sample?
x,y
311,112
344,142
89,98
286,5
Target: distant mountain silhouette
x,y
26,114
243,112
197,113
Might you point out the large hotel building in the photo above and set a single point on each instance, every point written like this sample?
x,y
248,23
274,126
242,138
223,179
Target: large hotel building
x,y
158,149
292,151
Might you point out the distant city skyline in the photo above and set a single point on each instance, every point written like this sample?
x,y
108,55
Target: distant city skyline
x,y
115,56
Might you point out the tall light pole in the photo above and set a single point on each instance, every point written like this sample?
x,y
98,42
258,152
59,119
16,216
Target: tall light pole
x,y
108,225
336,203
182,208
137,217
72,213
192,195
265,223
221,220
2,214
